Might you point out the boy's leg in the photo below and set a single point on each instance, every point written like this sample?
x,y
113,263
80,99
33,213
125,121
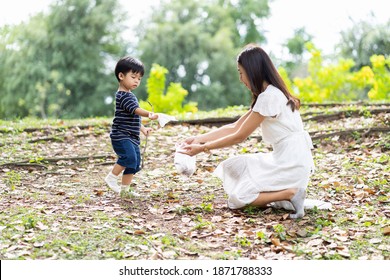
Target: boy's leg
x,y
127,179
126,157
112,178
117,169
126,182
128,173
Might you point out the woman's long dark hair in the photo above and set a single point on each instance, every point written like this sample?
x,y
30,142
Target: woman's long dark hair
x,y
259,69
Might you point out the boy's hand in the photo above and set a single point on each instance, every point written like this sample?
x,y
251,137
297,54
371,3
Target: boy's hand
x,y
146,130
153,116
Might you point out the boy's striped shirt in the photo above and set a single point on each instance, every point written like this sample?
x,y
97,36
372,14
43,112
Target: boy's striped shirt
x,y
126,124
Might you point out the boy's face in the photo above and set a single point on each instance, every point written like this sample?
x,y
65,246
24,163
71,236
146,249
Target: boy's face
x,y
130,80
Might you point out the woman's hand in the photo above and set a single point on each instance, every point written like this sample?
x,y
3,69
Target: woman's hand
x,y
191,140
192,149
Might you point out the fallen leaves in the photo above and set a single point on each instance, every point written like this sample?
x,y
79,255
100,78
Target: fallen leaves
x,y
66,211
275,241
99,192
302,233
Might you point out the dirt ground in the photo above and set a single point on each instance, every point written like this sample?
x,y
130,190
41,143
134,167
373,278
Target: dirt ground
x,y
54,203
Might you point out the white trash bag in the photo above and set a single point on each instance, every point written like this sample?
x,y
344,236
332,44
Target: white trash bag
x,y
185,164
163,119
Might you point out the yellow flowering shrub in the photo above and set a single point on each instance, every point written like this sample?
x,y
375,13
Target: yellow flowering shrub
x,y
169,102
336,82
381,80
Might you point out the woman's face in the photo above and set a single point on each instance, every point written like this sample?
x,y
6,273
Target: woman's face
x,y
243,77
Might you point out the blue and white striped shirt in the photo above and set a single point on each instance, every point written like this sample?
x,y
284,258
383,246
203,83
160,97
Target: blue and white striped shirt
x,y
126,124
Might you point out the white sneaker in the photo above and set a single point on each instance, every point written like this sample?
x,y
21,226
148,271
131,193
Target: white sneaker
x,y
134,194
111,181
130,192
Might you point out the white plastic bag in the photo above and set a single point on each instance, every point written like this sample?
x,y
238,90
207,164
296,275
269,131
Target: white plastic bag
x,y
184,164
163,119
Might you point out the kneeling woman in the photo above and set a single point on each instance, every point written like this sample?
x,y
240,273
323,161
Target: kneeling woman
x,y
261,178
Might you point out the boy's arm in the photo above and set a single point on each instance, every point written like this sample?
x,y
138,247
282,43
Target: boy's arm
x,y
130,103
143,113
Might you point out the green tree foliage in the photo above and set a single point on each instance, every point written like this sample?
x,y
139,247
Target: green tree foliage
x,y
296,49
296,44
364,40
170,101
22,68
56,64
338,82
198,41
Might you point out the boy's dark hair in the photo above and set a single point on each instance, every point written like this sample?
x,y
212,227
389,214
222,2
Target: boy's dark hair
x,y
127,64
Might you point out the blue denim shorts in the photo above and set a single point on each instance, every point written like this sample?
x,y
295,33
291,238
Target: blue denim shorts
x,y
128,155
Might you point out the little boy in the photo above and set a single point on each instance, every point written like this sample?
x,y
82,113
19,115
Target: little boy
x,y
126,126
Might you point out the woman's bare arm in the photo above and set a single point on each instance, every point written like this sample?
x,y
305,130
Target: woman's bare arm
x,y
220,132
251,122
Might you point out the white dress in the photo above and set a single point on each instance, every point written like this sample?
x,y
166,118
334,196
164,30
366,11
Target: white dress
x,y
290,163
